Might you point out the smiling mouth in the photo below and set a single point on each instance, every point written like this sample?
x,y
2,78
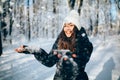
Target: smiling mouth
x,y
68,33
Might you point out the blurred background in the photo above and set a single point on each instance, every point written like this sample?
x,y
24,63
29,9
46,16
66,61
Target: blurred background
x,y
38,23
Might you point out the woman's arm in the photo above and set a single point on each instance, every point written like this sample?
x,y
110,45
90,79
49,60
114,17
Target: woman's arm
x,y
88,47
85,46
47,59
41,55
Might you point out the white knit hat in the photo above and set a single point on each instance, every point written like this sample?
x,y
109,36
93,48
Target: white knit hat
x,y
74,18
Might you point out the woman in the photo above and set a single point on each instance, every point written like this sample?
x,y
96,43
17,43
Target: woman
x,y
73,38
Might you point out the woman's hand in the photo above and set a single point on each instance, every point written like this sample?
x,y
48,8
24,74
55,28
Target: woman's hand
x,y
20,49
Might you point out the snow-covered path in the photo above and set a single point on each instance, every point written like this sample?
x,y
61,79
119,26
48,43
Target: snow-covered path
x,y
104,62
103,65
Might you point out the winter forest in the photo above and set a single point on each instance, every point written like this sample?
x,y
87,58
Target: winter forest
x,y
38,23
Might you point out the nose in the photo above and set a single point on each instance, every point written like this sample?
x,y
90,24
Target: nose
x,y
68,28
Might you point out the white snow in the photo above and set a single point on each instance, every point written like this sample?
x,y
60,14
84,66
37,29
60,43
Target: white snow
x,y
21,64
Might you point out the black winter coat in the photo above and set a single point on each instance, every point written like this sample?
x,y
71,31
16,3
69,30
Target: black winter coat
x,y
83,51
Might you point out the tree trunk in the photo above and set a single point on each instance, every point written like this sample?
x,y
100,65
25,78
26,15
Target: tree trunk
x,y
71,4
54,6
10,29
80,5
28,21
95,32
0,40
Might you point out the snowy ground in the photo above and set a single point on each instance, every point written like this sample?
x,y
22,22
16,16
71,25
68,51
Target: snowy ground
x,y
103,65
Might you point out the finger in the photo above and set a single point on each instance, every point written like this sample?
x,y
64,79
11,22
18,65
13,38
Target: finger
x,y
55,53
59,55
21,46
16,50
19,50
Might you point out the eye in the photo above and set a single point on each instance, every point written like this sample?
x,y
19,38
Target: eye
x,y
64,26
71,25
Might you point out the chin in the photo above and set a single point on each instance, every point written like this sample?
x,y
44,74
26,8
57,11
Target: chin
x,y
68,35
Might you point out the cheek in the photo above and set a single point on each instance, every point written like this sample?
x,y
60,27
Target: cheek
x,y
72,28
65,29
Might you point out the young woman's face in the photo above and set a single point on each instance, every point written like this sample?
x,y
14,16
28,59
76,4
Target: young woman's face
x,y
68,29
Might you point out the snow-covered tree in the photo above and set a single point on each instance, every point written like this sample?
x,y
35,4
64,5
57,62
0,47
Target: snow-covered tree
x,y
43,19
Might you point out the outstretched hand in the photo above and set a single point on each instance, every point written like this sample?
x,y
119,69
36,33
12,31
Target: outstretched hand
x,y
20,49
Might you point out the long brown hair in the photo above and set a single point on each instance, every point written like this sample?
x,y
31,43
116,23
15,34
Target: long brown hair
x,y
67,42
